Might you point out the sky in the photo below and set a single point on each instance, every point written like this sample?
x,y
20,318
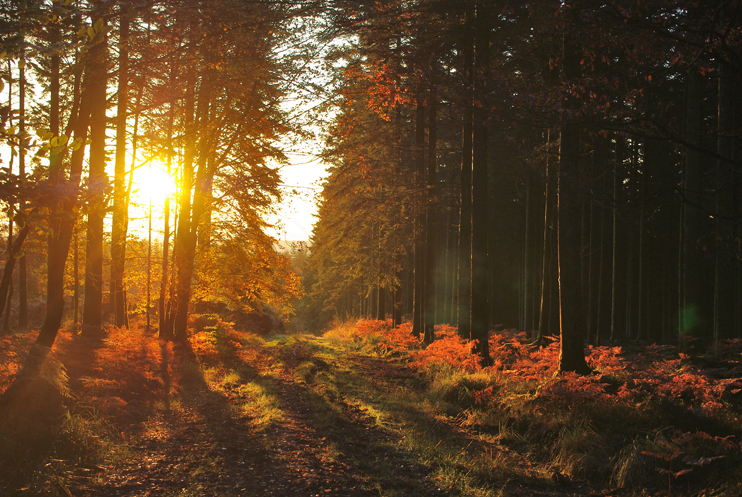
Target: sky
x,y
296,213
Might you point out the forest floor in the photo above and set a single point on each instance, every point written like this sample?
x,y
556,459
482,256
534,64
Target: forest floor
x,y
234,414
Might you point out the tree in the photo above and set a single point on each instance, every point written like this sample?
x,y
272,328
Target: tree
x,y
120,207
97,177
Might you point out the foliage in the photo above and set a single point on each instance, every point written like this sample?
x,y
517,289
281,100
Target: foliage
x,y
247,273
592,426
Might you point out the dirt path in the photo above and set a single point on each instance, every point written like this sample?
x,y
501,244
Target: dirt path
x,y
241,417
205,445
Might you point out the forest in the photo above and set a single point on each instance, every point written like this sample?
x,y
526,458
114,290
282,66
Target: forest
x,y
529,229
552,168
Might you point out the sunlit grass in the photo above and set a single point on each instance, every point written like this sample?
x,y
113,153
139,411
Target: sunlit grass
x,y
260,405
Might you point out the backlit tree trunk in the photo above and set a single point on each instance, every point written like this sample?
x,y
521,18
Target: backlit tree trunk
x,y
120,206
63,223
97,184
22,270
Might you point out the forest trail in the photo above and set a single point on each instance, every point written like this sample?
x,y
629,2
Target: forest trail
x,y
235,415
204,445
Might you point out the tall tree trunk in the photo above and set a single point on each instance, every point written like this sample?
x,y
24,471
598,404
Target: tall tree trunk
x,y
546,253
418,311
62,225
614,238
191,216
431,212
120,206
480,200
97,184
7,280
572,323
464,304
724,290
697,317
7,289
165,329
524,319
183,261
22,270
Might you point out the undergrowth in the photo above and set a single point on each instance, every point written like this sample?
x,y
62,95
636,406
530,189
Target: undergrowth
x,y
650,420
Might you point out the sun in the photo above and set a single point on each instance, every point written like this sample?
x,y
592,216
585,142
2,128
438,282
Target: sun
x,y
154,183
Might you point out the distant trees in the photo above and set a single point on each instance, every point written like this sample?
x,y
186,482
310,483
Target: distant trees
x,y
607,134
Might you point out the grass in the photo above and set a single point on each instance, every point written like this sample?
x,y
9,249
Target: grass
x,y
408,420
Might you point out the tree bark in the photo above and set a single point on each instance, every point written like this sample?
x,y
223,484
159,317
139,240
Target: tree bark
x,y
7,279
63,221
572,322
464,304
97,184
418,312
183,263
431,212
697,307
480,200
120,206
22,269
724,290
546,253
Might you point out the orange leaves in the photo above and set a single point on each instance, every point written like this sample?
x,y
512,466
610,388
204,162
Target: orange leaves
x,y
203,344
484,396
448,349
627,376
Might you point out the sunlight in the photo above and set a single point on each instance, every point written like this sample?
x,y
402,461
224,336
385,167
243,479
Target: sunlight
x,y
153,182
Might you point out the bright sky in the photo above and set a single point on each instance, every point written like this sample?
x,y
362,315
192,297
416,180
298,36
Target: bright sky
x,y
296,214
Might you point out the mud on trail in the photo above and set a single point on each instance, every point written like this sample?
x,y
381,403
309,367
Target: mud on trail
x,y
232,414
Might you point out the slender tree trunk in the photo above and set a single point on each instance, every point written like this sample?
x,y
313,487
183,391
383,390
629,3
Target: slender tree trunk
x,y
524,320
6,287
619,156
724,289
120,206
165,327
97,184
601,266
418,324
480,200
696,313
22,270
464,304
640,277
431,213
63,225
572,323
6,284
546,253
76,276
7,293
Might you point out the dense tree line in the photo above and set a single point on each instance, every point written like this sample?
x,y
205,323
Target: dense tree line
x,y
95,91
563,168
